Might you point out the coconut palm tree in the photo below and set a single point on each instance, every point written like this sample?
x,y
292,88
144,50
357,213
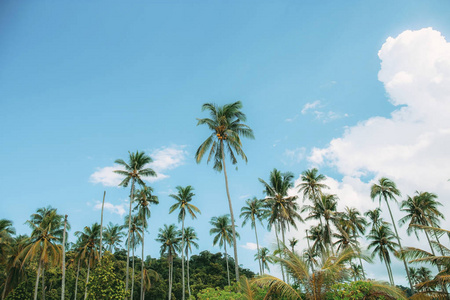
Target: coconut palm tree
x,y
375,217
190,238
169,237
264,256
144,198
136,232
14,269
382,242
253,211
282,208
226,124
222,229
6,232
421,209
184,196
113,235
89,248
311,185
316,284
316,235
134,171
387,189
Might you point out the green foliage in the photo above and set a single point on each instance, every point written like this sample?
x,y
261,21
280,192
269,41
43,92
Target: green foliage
x,y
349,291
23,291
227,293
104,283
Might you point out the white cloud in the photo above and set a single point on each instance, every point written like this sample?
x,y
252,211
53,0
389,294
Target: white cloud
x,y
309,106
118,209
250,246
164,159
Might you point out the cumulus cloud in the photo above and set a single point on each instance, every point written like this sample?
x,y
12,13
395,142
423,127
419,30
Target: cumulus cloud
x,y
410,146
118,209
164,159
250,246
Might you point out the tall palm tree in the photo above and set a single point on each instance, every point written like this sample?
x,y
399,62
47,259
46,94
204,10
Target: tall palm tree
x,y
169,237
6,232
136,232
316,284
387,189
264,256
316,235
190,238
254,210
282,208
135,170
375,217
14,269
421,209
183,197
113,235
382,242
222,229
226,124
144,198
89,248
311,185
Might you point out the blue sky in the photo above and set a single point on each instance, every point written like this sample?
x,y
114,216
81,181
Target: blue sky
x,y
82,83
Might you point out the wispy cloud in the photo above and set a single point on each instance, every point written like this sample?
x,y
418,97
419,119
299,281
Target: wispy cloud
x,y
118,209
310,105
164,159
316,108
250,246
294,155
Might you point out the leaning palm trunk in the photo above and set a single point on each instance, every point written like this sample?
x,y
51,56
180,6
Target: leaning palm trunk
x,y
236,263
132,276
279,250
129,229
182,255
63,283
226,259
37,280
257,249
43,282
188,284
142,268
391,279
87,277
400,244
282,226
76,280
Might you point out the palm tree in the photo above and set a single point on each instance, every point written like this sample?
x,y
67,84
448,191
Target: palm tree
x,y
387,189
6,230
190,238
264,256
227,129
170,238
251,212
136,232
316,284
47,224
311,185
134,170
375,218
316,235
183,198
382,241
14,269
113,235
144,198
282,208
292,243
223,233
89,247
422,209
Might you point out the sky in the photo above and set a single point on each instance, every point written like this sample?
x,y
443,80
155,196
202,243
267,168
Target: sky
x,y
358,89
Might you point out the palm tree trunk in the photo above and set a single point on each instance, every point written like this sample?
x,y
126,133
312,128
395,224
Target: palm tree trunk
x,y
142,268
170,275
226,259
391,279
37,280
400,244
4,289
257,249
43,282
236,263
87,277
278,243
132,276
284,245
63,267
101,228
362,267
182,255
188,283
76,280
129,229
310,251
